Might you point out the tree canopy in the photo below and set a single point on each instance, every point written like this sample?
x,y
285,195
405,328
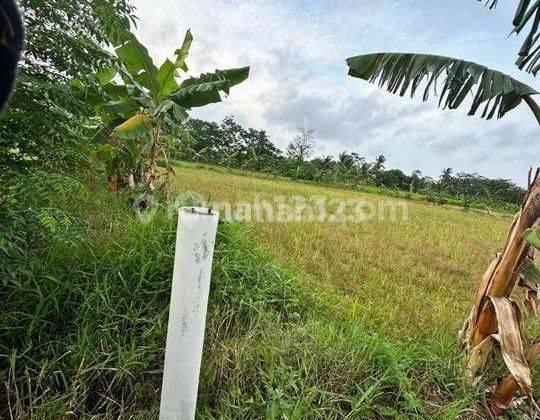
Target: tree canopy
x,y
65,40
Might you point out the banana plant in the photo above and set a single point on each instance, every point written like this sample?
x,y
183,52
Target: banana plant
x,y
527,16
495,319
148,101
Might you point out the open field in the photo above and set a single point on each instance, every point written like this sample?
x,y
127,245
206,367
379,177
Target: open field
x,y
412,278
347,252
85,317
354,331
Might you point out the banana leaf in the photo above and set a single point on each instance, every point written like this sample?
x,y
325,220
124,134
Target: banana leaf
x,y
203,90
136,59
134,127
402,73
182,52
532,236
526,17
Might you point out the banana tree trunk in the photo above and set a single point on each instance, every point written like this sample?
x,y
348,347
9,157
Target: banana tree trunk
x,y
152,165
503,273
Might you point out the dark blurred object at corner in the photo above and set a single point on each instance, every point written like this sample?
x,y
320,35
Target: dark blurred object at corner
x,y
11,45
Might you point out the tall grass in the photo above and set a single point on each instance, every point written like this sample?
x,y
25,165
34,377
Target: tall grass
x,y
84,301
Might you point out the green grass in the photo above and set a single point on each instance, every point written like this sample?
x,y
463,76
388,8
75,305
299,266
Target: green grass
x,y
84,301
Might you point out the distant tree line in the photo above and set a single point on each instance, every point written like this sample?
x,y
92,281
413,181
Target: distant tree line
x,y
229,144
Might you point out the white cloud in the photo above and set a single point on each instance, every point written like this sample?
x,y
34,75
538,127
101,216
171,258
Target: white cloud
x,y
296,51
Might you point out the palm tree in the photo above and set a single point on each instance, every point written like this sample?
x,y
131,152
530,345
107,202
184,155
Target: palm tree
x,y
416,179
326,163
379,163
348,161
495,319
445,179
446,173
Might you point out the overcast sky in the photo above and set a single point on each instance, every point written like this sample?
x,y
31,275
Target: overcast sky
x,y
297,51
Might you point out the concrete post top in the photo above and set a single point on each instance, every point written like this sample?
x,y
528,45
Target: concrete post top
x,y
199,211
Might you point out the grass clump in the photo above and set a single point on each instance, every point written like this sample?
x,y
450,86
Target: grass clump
x,y
84,306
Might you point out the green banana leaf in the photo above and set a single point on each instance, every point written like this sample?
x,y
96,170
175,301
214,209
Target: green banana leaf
x,y
400,73
527,16
205,89
138,63
531,271
106,74
166,77
168,71
182,52
121,106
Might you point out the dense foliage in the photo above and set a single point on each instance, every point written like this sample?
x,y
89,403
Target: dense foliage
x,y
230,144
140,116
65,40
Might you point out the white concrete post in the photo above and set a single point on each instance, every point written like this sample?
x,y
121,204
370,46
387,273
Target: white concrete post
x,y
195,240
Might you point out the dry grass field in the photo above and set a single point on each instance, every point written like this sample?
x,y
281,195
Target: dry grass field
x,y
412,277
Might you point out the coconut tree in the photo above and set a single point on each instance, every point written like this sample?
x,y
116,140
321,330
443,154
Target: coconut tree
x,y
495,320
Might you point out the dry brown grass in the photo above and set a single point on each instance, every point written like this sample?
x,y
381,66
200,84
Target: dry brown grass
x,y
413,278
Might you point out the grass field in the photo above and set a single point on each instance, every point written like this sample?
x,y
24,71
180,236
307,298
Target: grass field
x,y
305,320
410,278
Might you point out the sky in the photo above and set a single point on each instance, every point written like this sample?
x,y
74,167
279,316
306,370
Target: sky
x,y
297,50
